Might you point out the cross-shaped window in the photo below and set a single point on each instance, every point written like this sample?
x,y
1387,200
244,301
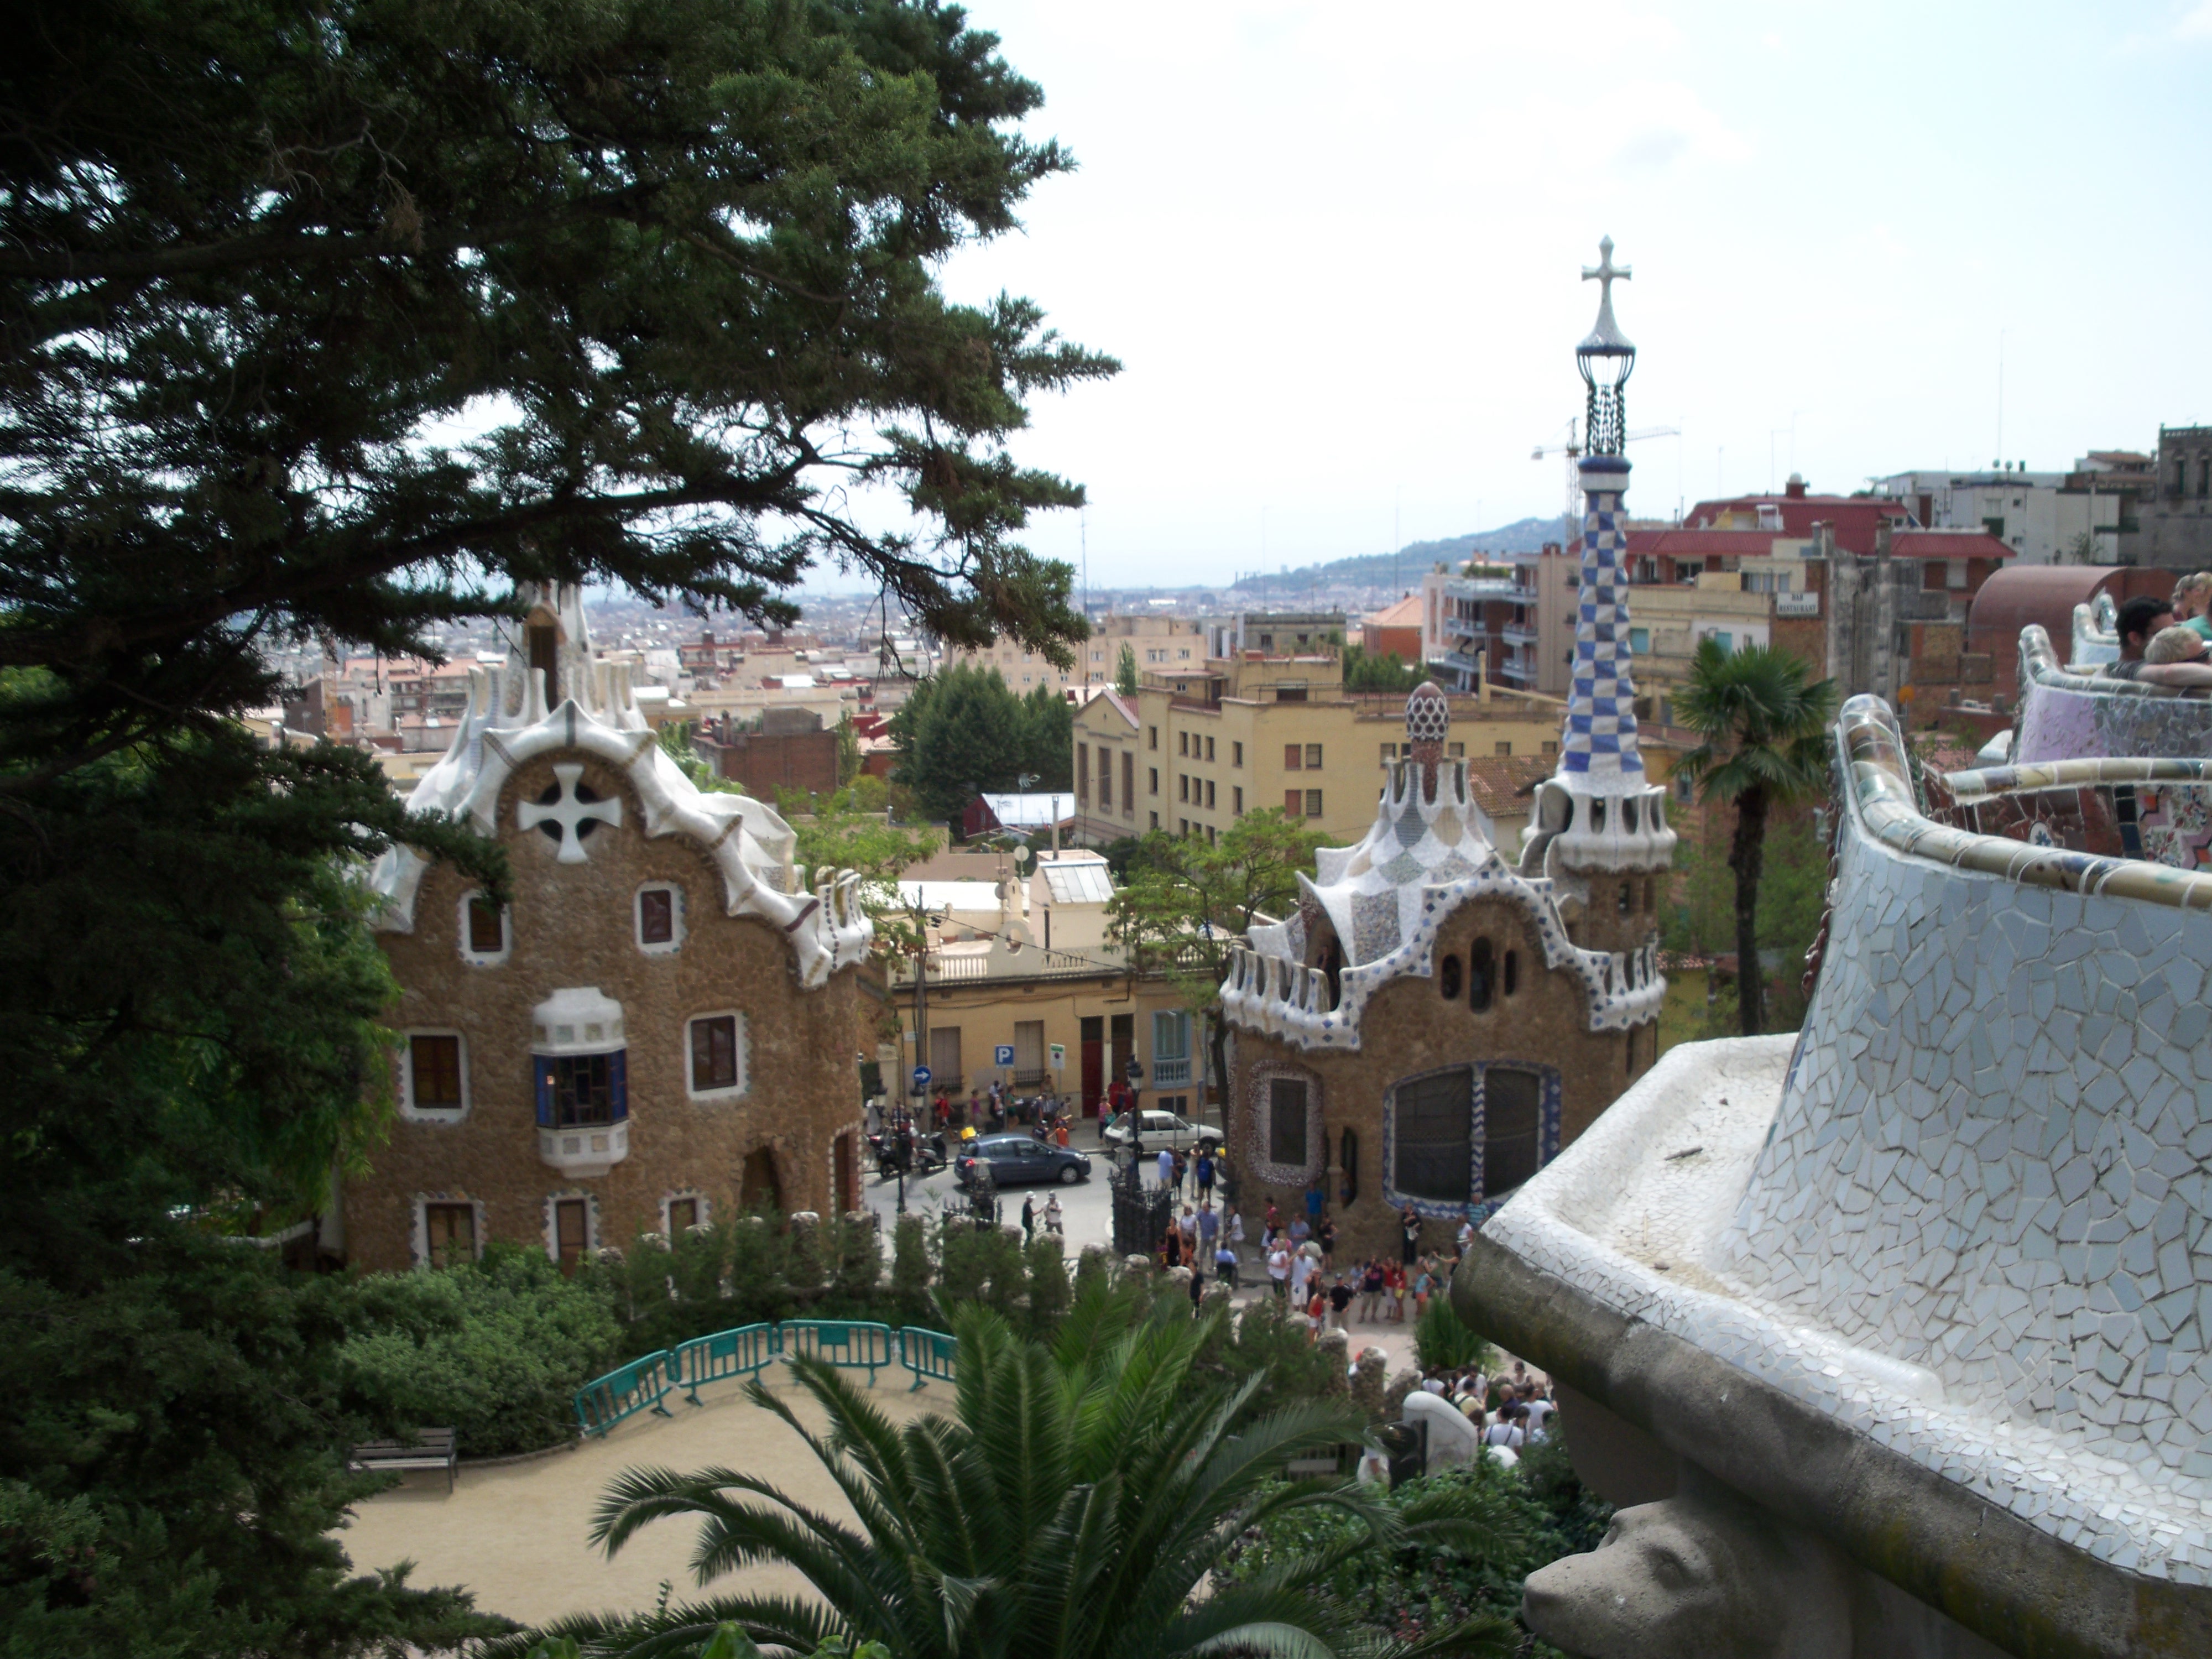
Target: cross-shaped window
x,y
567,811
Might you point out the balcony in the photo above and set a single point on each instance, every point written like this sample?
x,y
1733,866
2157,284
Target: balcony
x,y
585,1150
1171,1074
1480,587
1520,634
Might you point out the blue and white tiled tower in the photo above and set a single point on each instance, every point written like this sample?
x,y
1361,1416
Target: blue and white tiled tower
x,y
1600,812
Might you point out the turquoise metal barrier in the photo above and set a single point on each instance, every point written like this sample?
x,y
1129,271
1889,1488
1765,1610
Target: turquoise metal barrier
x,y
927,1354
746,1351
851,1344
640,1386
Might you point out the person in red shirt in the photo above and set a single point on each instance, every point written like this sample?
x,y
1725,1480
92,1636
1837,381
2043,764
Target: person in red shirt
x,y
1393,1290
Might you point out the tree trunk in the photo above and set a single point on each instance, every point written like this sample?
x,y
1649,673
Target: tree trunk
x,y
1747,853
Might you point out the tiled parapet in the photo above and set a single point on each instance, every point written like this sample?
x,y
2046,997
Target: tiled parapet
x,y
2152,809
1968,1214
2064,715
1990,1159
2096,633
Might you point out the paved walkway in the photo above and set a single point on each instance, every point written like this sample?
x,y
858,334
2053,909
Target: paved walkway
x,y
518,1535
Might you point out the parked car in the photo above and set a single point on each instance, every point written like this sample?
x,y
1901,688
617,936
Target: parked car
x,y
1164,1129
1018,1160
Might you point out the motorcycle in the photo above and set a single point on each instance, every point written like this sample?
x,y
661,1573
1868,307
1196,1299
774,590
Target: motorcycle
x,y
928,1155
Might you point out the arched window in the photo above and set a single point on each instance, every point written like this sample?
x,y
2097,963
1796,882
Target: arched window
x,y
1597,816
1347,1160
1480,976
1510,981
1628,812
1648,891
1627,897
1447,978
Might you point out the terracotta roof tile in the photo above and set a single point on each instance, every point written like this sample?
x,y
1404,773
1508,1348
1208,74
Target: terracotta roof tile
x,y
1503,784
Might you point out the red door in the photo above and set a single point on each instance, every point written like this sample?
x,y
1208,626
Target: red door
x,y
1094,1064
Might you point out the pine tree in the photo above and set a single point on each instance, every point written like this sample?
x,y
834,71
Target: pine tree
x,y
669,264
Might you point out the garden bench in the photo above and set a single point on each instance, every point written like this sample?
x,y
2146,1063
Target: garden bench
x,y
434,1449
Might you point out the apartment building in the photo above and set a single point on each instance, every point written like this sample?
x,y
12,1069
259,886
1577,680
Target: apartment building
x,y
1752,584
1023,965
1157,642
2042,517
1513,615
1197,748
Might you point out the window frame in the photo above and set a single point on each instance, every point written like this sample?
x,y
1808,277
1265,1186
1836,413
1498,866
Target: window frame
x,y
740,1056
590,1244
425,1252
1313,757
463,940
1313,804
1548,1096
1294,758
687,1196
674,942
409,1106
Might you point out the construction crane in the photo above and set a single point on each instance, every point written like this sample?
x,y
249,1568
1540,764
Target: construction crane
x,y
1573,452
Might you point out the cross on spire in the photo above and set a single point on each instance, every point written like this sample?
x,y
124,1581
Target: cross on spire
x,y
575,815
1604,271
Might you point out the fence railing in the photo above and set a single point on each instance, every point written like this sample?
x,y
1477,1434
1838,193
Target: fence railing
x,y
927,1354
644,1384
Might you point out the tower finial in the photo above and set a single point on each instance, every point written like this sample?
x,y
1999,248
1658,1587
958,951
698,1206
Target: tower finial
x,y
1606,359
1428,717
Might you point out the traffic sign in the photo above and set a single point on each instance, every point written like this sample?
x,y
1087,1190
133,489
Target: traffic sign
x,y
1060,1056
1002,1054
921,1078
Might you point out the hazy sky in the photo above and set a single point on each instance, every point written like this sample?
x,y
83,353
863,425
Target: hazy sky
x,y
1338,250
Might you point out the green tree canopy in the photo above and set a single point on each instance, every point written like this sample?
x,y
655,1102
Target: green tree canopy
x,y
1184,902
1385,672
335,323
1764,743
964,732
335,320
1125,670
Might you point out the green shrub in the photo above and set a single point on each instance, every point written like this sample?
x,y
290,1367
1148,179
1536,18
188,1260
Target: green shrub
x,y
1539,1512
1048,1295
1442,1342
494,1348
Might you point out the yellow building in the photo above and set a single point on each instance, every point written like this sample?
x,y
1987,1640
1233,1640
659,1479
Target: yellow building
x,y
1669,619
1199,747
1022,964
1157,642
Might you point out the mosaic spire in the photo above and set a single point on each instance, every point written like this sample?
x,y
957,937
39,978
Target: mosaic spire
x,y
1599,756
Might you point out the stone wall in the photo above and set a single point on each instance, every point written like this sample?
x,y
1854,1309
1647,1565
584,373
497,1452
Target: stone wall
x,y
574,925
1407,1029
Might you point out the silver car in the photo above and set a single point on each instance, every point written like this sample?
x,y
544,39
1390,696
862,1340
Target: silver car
x,y
1160,1129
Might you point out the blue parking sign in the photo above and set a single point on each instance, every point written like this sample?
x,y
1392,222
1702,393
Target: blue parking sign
x,y
1003,1055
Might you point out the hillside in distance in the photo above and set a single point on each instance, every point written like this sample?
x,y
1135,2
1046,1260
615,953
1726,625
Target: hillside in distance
x,y
1406,565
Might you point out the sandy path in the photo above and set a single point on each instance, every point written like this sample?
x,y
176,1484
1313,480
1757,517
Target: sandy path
x,y
518,1535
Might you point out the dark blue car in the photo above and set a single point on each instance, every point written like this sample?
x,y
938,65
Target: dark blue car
x,y
1021,1160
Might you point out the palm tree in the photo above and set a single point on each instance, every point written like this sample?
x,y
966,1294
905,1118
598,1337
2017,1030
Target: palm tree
x,y
1072,1506
1765,745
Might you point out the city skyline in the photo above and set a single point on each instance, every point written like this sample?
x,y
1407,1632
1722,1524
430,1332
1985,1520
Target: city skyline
x,y
1352,337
